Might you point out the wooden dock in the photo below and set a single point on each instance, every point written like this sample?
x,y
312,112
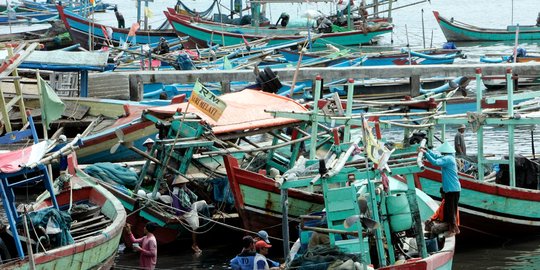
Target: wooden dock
x,y
138,78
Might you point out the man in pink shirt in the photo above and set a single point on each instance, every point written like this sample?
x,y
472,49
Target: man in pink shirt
x,y
146,245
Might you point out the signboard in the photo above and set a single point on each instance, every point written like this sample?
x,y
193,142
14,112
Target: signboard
x,y
207,102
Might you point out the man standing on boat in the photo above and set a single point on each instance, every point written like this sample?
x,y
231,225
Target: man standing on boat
x,y
459,142
450,183
119,18
188,207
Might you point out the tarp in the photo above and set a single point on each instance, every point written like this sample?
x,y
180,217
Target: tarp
x,y
14,161
84,60
245,111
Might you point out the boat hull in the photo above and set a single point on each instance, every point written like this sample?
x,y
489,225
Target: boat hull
x,y
489,208
258,200
458,32
95,252
201,35
79,29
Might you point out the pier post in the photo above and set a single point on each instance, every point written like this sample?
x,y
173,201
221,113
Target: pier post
x,y
511,156
348,110
225,87
285,223
315,119
480,132
415,85
135,87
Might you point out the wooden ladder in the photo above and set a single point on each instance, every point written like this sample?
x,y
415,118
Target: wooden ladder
x,y
6,107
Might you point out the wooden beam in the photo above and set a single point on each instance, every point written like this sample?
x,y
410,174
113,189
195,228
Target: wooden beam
x,y
329,73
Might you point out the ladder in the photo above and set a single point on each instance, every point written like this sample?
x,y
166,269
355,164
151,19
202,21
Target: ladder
x,y
341,203
9,66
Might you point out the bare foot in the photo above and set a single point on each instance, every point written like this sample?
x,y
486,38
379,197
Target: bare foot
x,y
196,249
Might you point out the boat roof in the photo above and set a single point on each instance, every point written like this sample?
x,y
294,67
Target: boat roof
x,y
14,161
246,110
64,60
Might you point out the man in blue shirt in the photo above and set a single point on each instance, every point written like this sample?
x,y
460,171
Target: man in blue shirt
x,y
245,260
450,182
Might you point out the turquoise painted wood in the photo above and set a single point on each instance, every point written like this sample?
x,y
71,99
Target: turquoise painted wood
x,y
223,37
495,203
455,31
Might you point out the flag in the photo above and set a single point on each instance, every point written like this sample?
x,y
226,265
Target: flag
x,y
207,102
148,12
52,106
376,151
134,27
226,63
14,161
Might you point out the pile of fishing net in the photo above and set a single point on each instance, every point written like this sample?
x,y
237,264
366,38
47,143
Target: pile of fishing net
x,y
324,257
113,173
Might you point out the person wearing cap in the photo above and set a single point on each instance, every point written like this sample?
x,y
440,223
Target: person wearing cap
x,y
188,207
147,245
261,235
245,260
459,142
450,182
261,262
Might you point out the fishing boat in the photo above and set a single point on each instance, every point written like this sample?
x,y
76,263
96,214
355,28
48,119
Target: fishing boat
x,y
81,28
189,145
77,226
458,31
27,17
425,57
203,33
501,204
373,233
496,82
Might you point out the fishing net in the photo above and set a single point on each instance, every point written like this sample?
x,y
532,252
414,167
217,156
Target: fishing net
x,y
113,173
194,13
56,223
322,257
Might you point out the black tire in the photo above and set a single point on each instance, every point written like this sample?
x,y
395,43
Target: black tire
x,y
272,79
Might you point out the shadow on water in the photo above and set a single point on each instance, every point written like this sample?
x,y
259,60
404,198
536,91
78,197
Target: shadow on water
x,y
498,253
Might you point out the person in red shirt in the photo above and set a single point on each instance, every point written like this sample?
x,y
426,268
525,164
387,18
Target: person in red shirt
x,y
146,245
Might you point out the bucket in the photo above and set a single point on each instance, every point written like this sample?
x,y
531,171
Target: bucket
x,y
399,212
432,245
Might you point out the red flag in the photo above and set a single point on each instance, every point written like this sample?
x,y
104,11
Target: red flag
x,y
134,27
246,42
104,32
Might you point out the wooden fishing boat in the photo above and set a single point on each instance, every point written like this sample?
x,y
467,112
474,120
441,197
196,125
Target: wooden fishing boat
x,y
87,220
457,31
503,204
343,180
24,17
428,57
98,120
497,82
229,35
199,136
80,28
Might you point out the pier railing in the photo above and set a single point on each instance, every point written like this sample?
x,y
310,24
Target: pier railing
x,y
138,78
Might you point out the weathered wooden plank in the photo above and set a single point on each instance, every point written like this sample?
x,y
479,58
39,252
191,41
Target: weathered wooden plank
x,y
286,74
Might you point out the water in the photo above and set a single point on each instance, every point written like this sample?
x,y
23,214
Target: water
x,y
504,254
